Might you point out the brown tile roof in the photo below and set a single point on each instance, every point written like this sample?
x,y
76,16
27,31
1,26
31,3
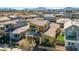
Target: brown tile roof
x,y
40,22
20,30
9,22
4,19
30,20
51,31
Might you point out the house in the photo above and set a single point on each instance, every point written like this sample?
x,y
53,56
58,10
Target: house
x,y
36,28
75,15
62,21
49,35
29,16
33,16
7,25
49,17
68,14
13,24
19,33
20,23
71,33
2,19
13,17
59,15
39,18
24,16
40,25
6,28
40,14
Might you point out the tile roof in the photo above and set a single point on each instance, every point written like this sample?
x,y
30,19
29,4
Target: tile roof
x,y
40,22
30,20
13,21
8,22
63,20
4,19
70,23
51,31
20,30
49,15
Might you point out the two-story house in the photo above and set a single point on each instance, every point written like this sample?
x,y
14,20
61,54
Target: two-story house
x,y
71,33
19,33
36,28
68,14
12,25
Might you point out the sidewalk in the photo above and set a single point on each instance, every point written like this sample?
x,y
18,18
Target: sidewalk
x,y
58,48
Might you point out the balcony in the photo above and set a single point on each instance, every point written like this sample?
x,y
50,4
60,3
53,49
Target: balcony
x,y
31,32
72,35
71,38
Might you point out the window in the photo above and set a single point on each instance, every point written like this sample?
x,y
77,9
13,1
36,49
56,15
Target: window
x,y
7,26
16,35
71,34
76,49
72,43
46,39
33,27
68,43
2,28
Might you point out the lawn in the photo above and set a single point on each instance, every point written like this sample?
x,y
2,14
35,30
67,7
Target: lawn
x,y
60,38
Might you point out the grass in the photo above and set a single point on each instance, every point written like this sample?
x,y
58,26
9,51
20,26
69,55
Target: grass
x,y
60,38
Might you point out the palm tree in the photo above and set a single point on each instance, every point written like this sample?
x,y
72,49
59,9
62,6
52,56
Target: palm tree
x,y
58,31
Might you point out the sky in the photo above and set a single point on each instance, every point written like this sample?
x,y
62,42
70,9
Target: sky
x,y
39,3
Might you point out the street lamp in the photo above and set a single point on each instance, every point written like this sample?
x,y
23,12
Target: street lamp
x,y
12,23
10,37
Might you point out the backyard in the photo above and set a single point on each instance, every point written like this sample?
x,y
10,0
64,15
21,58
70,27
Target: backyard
x,y
60,38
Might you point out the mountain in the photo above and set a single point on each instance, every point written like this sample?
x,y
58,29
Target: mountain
x,y
7,9
71,9
39,8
